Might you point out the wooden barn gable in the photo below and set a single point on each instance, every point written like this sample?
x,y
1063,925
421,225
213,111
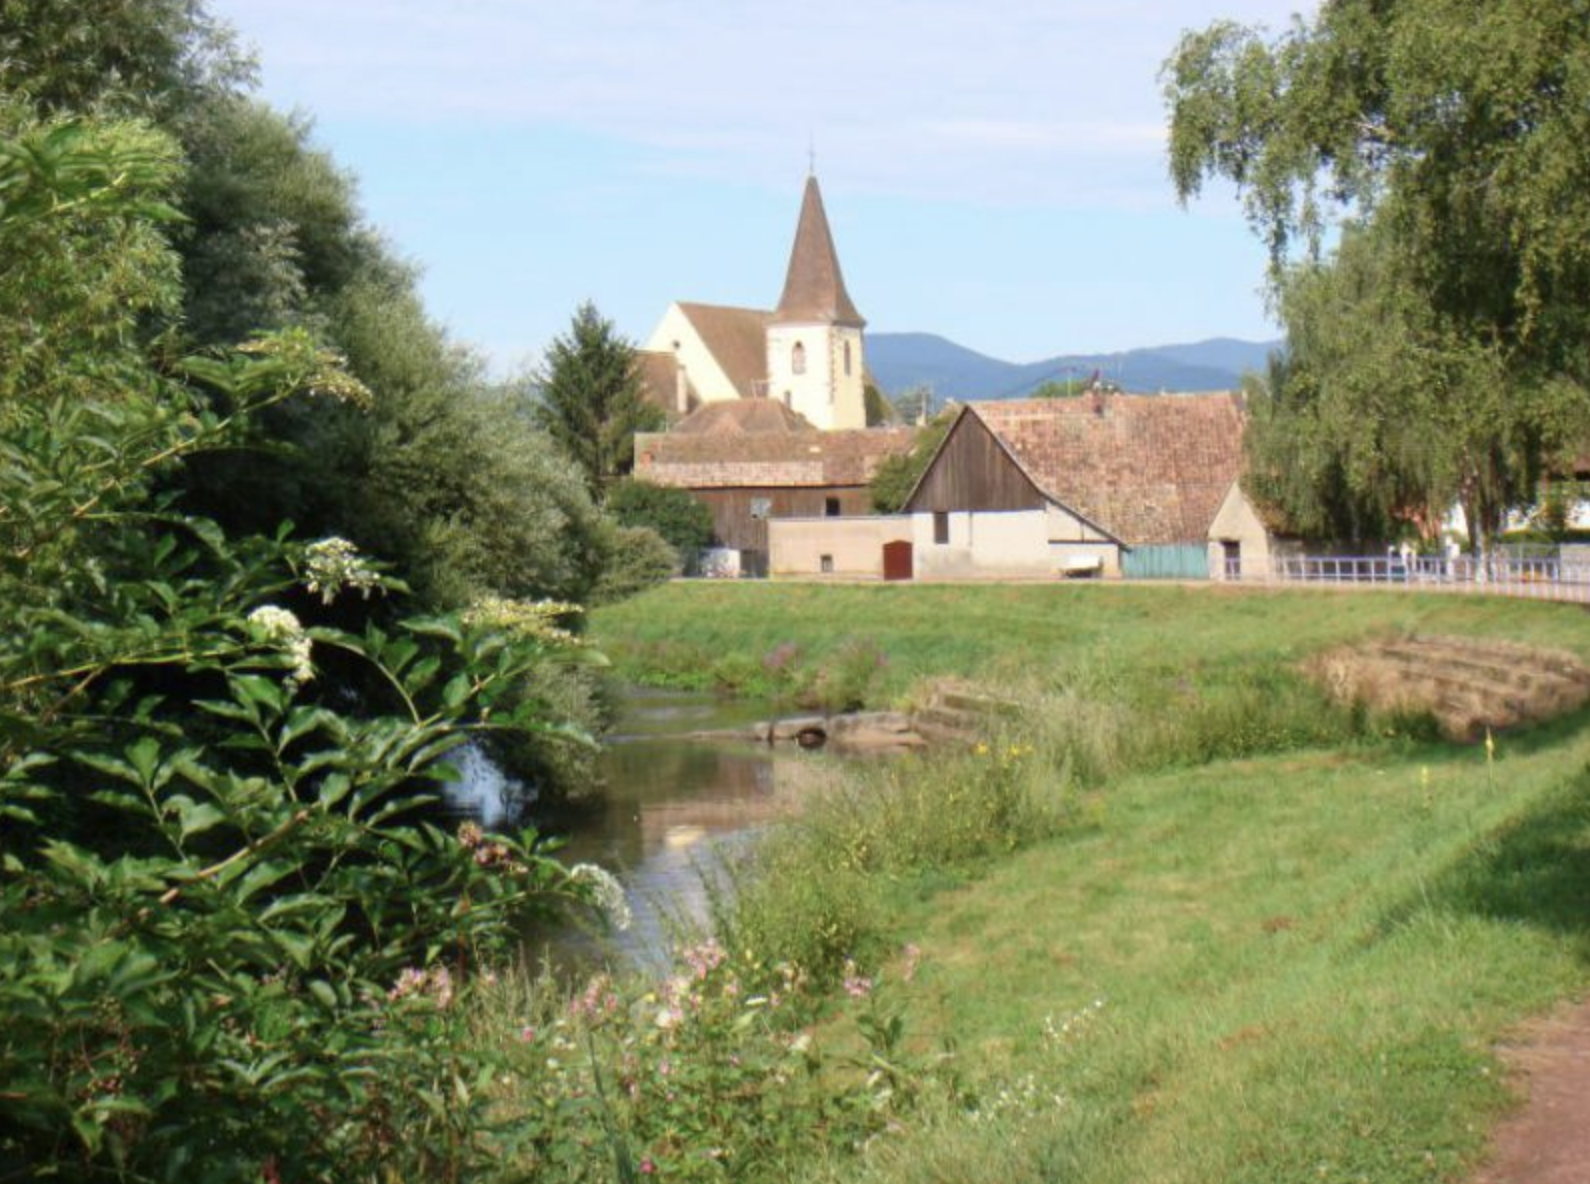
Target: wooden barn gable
x,y
972,470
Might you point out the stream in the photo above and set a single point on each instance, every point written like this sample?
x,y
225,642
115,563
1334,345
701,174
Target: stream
x,y
672,806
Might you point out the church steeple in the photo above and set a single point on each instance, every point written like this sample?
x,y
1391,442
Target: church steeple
x,y
814,287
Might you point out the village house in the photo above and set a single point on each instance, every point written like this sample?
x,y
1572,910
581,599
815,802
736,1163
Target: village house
x,y
753,461
1101,485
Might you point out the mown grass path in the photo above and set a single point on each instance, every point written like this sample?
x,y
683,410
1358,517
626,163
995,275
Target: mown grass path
x,y
1304,962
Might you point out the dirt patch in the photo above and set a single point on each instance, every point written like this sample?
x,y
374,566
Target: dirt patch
x,y
1468,687
1548,1140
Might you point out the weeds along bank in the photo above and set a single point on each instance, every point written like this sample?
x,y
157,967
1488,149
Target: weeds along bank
x,y
1192,923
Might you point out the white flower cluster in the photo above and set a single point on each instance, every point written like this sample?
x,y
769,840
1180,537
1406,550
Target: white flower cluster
x,y
334,564
534,618
1058,1033
1025,1097
319,372
606,892
281,627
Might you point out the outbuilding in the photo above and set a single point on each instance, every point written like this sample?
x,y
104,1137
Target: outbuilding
x,y
1097,485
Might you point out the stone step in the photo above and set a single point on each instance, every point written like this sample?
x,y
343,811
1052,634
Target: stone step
x,y
1495,656
1469,668
1509,698
977,702
949,719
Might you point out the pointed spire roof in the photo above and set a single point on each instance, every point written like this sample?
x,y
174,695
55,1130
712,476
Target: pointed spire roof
x,y
814,289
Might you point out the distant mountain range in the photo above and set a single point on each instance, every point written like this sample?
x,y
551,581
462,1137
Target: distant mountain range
x,y
900,361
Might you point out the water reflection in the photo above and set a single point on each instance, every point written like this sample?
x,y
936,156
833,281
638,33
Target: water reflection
x,y
671,809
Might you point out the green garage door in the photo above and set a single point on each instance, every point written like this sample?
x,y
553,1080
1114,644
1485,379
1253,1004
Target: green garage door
x,y
1179,561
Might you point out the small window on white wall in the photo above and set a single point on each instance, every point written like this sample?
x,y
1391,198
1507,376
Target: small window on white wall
x,y
847,359
797,359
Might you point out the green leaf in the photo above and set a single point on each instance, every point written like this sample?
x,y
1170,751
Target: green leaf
x,y
457,690
334,788
443,627
196,817
144,756
252,879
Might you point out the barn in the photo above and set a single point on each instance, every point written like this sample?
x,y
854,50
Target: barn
x,y
1098,485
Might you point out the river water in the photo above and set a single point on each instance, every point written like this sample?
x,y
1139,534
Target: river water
x,y
672,807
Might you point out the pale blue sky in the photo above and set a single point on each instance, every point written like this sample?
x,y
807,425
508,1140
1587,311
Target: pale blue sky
x,y
993,171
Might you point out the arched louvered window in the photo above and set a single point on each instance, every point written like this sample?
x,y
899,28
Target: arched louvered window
x,y
797,359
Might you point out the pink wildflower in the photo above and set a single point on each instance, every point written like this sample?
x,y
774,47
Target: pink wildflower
x,y
527,1034
648,1167
912,955
857,986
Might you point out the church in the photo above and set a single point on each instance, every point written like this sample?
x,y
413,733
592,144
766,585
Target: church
x,y
806,354
767,408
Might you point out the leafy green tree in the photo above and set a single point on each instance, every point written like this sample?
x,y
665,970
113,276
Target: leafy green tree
x,y
916,404
879,410
672,513
590,398
1065,388
273,226
1449,137
897,476
450,476
153,58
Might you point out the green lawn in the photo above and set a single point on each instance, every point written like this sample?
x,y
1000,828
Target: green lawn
x,y
696,634
1304,956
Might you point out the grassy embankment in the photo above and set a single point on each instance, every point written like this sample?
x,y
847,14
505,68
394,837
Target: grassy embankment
x,y
1306,934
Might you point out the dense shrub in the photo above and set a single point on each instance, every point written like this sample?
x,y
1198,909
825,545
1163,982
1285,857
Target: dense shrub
x,y
235,943
673,513
637,558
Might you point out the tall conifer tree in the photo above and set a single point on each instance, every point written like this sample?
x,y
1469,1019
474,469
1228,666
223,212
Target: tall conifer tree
x,y
591,402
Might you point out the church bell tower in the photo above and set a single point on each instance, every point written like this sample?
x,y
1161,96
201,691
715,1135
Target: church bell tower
x,y
814,358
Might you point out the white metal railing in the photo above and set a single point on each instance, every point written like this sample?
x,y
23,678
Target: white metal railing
x,y
1500,574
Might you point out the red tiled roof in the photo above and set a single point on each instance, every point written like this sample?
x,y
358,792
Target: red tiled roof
x,y
741,416
659,378
1147,468
736,337
800,458
814,288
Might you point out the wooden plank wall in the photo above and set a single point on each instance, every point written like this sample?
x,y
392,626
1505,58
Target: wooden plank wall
x,y
733,525
972,472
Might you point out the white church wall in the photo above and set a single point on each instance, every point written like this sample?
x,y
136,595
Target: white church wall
x,y
676,335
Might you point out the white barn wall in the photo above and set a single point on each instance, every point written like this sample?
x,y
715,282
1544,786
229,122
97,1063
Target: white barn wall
x,y
796,546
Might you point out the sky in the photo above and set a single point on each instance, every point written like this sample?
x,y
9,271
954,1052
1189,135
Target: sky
x,y
993,171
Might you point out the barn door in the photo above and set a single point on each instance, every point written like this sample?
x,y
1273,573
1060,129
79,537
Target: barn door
x,y
897,560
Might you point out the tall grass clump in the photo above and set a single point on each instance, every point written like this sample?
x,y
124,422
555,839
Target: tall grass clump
x,y
815,891
1100,722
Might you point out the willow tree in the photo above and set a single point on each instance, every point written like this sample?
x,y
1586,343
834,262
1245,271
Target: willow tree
x,y
1441,350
